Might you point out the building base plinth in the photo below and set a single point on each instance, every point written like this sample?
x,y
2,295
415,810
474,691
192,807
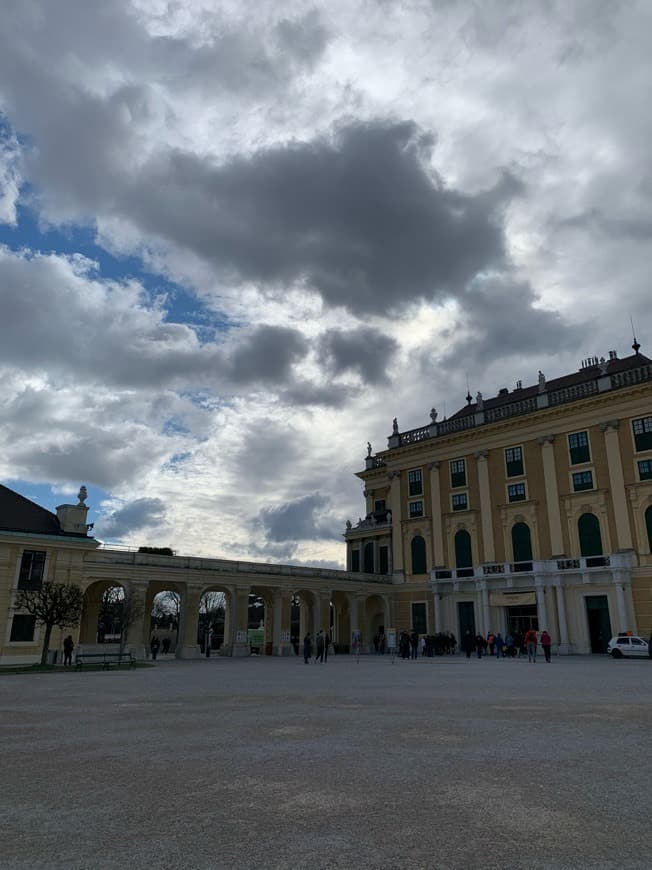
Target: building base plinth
x,y
189,652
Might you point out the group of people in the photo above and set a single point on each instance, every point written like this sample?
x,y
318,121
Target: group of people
x,y
411,645
511,646
322,644
155,645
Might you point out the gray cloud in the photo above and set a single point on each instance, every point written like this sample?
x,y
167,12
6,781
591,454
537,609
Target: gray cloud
x,y
299,520
360,217
500,319
365,351
140,514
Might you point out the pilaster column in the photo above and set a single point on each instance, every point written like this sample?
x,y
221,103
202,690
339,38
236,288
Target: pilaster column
x,y
436,609
397,534
438,554
484,598
617,483
324,618
355,609
542,613
240,622
561,619
187,646
622,607
281,638
552,494
485,505
138,618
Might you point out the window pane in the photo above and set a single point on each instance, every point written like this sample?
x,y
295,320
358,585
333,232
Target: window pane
x,y
32,566
645,470
459,501
415,483
514,461
369,559
578,444
643,433
383,561
458,472
355,560
416,509
582,480
418,555
22,628
590,537
516,492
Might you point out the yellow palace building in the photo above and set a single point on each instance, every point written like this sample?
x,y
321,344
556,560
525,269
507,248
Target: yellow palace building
x,y
532,508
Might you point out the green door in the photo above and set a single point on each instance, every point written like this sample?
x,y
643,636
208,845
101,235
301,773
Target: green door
x,y
466,617
597,612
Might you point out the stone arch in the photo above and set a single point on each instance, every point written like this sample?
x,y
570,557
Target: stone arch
x,y
95,607
588,528
341,620
418,552
521,542
374,618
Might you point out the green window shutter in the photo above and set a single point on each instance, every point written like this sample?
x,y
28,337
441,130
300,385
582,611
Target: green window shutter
x,y
463,554
588,527
521,542
418,555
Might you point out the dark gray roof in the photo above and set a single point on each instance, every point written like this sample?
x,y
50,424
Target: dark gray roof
x,y
19,514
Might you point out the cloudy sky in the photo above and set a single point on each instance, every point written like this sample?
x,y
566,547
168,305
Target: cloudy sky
x,y
236,241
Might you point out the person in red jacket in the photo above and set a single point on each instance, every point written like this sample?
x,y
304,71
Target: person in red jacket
x,y
546,643
531,645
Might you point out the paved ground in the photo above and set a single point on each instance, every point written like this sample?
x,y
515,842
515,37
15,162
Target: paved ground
x,y
265,763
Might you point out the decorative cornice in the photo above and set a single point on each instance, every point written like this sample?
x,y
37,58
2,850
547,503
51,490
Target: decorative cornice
x,y
481,454
391,475
545,439
609,424
433,466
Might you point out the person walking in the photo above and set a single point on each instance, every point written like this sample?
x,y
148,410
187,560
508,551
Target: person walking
x,y
499,644
327,643
491,642
319,655
479,645
531,645
154,645
546,643
467,643
68,647
307,647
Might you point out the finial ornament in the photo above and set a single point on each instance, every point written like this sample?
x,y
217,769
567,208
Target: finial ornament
x,y
433,415
394,426
82,495
368,448
542,381
479,401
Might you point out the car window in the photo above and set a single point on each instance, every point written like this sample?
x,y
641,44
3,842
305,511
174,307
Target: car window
x,y
636,641
623,641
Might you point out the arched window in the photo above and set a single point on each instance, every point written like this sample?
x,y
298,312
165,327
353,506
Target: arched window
x,y
463,554
588,527
368,566
521,542
648,525
418,555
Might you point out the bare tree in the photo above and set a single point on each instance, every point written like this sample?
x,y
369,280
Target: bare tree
x,y
52,604
133,609
167,605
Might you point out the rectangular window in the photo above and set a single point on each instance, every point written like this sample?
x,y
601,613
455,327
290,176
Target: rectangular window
x,y
355,560
514,461
643,433
415,482
460,501
458,472
582,480
578,445
32,567
22,628
379,505
516,492
419,617
383,560
645,469
416,509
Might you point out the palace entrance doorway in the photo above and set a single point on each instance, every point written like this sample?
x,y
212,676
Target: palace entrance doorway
x,y
522,618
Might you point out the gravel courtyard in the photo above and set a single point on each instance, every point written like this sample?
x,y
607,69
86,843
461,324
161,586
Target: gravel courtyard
x,y
266,762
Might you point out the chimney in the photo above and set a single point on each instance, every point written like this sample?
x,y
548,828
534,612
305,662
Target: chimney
x,y
72,517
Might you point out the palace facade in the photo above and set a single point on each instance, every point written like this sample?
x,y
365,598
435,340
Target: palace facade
x,y
532,508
